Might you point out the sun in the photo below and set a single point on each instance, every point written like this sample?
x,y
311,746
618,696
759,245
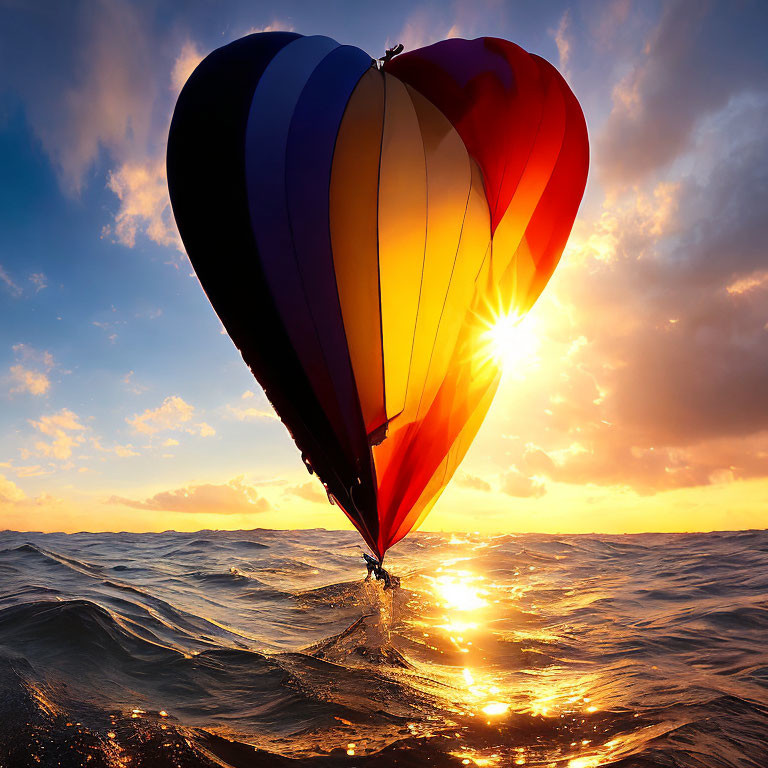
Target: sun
x,y
510,340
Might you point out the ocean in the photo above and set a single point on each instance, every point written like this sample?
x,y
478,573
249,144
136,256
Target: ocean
x,y
267,648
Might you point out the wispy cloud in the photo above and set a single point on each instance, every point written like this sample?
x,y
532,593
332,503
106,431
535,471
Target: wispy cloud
x,y
233,498
145,207
39,280
174,414
131,385
250,412
189,57
10,285
563,42
104,98
18,509
424,27
695,61
121,451
476,483
27,380
64,429
30,470
516,483
10,492
276,25
30,374
307,491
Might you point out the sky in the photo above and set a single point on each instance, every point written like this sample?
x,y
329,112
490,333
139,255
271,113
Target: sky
x,y
636,398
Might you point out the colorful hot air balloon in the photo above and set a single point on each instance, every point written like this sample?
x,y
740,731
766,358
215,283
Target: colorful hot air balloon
x,y
359,228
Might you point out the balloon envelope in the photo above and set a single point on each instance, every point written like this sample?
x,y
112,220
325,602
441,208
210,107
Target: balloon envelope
x,y
359,230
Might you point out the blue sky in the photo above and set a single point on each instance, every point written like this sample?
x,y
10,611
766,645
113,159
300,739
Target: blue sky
x,y
639,404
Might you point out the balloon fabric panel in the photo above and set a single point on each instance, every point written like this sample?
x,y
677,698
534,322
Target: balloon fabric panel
x,y
473,248
309,153
449,178
274,102
402,219
354,237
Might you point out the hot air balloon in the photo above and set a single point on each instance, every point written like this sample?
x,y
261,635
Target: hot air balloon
x,y
359,227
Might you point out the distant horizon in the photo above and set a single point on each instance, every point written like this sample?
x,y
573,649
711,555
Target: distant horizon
x,y
442,532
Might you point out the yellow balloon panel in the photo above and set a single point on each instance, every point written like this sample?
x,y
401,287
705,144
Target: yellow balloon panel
x,y
354,235
474,247
448,188
402,214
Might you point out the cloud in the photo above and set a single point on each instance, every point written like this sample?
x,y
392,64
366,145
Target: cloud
x,y
465,480
27,380
101,93
189,57
131,385
274,26
174,414
142,189
563,43
250,414
25,353
32,470
699,57
233,498
102,102
515,483
686,356
741,285
64,428
140,183
308,492
125,450
422,27
10,493
605,25
39,280
6,279
26,375
13,500
108,326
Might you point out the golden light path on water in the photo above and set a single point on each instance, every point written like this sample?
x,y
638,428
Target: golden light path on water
x,y
467,606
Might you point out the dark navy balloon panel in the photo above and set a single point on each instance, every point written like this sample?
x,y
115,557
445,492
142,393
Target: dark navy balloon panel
x,y
360,231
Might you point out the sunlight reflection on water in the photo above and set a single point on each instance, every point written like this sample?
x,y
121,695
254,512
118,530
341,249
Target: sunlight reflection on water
x,y
465,605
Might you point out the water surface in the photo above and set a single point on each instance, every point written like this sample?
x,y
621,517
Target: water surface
x,y
266,648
